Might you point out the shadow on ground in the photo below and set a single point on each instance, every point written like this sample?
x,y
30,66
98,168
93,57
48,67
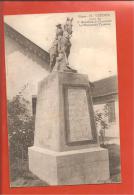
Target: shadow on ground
x,y
20,176
27,181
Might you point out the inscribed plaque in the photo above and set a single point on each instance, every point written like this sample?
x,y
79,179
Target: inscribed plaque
x,y
78,115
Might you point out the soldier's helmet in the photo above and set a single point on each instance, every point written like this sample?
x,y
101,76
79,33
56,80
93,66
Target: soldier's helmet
x,y
58,26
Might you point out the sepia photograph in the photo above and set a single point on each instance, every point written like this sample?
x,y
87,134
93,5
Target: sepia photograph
x,y
62,98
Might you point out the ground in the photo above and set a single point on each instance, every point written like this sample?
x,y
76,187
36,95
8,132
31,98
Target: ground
x,y
114,162
28,179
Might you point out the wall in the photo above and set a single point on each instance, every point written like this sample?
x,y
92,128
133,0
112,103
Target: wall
x,y
23,72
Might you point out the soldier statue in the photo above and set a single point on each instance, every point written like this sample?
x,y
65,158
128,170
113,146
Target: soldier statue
x,y
60,49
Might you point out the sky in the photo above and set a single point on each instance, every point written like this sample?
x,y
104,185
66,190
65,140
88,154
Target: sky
x,y
93,50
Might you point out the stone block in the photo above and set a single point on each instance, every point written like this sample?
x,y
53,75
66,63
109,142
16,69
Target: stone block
x,y
66,148
85,166
64,113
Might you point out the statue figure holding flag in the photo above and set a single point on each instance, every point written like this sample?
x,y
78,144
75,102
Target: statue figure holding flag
x,y
60,49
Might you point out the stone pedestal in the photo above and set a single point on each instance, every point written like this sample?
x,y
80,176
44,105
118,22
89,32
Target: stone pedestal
x,y
66,148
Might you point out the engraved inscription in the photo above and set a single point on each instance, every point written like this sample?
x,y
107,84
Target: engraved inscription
x,y
79,118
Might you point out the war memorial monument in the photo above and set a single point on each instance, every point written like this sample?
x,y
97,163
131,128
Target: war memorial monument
x,y
66,147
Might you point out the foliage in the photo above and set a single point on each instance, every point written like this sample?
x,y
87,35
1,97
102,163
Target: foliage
x,y
20,127
101,119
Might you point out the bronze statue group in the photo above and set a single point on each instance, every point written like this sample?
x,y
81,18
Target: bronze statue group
x,y
60,49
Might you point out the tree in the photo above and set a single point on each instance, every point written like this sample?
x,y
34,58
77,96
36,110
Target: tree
x,y
101,122
20,127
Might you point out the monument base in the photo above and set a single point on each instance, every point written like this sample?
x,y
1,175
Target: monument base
x,y
84,166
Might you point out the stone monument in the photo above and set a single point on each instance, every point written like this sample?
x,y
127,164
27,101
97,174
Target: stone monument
x,y
66,148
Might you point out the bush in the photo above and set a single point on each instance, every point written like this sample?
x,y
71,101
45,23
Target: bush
x,y
20,131
102,122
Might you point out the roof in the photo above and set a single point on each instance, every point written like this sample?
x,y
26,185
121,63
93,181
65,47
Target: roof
x,y
27,44
105,86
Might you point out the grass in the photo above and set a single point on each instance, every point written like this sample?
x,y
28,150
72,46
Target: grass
x,y
22,177
28,180
114,162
